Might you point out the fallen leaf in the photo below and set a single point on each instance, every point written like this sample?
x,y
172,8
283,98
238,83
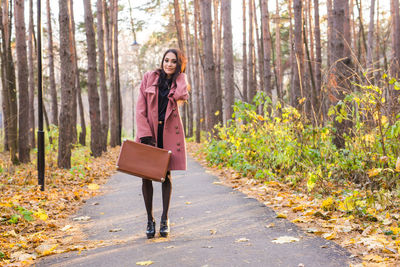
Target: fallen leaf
x,y
217,182
212,231
81,218
93,186
144,263
285,239
329,236
270,225
188,202
65,228
281,215
115,230
374,258
243,239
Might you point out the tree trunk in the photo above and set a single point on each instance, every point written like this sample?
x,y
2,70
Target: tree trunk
x,y
102,75
217,60
279,73
179,37
9,83
260,56
252,86
31,67
76,90
228,60
330,31
189,71
318,62
53,89
292,56
110,67
178,25
209,66
23,86
244,51
339,81
67,85
298,85
197,72
116,109
93,94
371,35
82,134
267,48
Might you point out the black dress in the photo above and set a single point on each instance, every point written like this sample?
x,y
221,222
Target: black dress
x,y
163,92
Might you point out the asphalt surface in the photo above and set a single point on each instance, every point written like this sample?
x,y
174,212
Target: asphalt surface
x,y
211,225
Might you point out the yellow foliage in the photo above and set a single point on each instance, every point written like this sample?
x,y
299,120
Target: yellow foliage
x,y
41,214
328,204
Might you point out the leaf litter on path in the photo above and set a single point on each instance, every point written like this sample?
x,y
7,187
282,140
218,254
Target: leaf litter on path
x,y
285,239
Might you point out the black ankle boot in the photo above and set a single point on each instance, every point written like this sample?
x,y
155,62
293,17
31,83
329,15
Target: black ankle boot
x,y
164,228
151,229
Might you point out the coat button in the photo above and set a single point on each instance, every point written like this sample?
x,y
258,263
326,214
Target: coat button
x,y
178,144
173,109
175,115
176,127
177,132
178,149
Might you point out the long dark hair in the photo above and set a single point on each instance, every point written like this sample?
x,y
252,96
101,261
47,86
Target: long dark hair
x,y
180,66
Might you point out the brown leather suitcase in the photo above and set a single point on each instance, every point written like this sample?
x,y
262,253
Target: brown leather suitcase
x,y
144,161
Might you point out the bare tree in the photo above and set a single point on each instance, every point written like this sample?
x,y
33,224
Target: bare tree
x,y
189,70
339,81
267,47
252,83
217,59
23,93
116,109
77,94
178,25
244,60
298,85
209,66
31,78
279,75
318,56
228,60
67,85
93,94
53,89
102,74
370,34
196,76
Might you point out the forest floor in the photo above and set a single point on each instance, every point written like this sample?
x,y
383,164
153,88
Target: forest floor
x,y
35,223
371,241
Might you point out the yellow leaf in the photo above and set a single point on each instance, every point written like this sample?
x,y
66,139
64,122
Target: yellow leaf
x,y
281,215
261,118
144,263
328,204
41,214
374,172
302,100
217,113
298,208
374,258
188,202
93,186
329,236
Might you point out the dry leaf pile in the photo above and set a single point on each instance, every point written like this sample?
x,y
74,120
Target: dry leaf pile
x,y
375,241
35,223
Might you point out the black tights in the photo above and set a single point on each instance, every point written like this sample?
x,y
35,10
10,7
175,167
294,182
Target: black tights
x,y
147,190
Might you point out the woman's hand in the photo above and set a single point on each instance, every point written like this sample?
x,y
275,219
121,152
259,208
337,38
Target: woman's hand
x,y
181,89
147,140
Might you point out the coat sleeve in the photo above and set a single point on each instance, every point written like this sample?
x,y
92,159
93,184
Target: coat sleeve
x,y
142,123
181,91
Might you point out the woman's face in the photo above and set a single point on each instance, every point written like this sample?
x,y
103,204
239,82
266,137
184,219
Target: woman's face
x,y
169,64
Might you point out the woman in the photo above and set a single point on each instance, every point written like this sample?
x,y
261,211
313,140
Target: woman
x,y
159,123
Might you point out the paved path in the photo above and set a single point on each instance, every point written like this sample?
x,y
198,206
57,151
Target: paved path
x,y
207,220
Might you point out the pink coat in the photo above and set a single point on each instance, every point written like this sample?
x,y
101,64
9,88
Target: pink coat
x,y
147,117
